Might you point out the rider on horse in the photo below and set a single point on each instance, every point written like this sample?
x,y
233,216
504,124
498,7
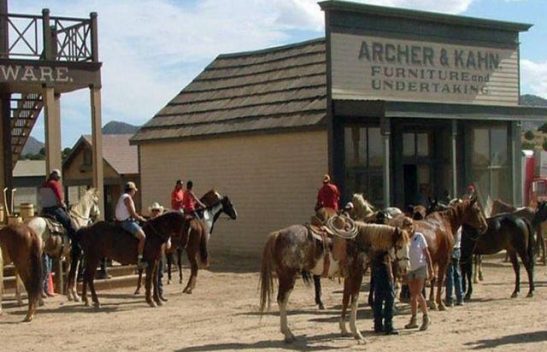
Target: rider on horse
x,y
191,204
328,196
129,218
53,204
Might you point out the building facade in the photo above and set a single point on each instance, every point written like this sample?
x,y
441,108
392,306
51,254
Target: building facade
x,y
399,105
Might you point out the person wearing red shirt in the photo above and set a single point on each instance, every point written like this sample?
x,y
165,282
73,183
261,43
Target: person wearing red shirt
x,y
328,196
58,211
190,202
177,197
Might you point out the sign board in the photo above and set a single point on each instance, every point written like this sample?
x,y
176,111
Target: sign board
x,y
370,67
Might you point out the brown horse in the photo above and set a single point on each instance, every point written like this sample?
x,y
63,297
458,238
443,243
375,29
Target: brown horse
x,y
499,207
439,229
195,238
296,248
106,240
20,244
370,239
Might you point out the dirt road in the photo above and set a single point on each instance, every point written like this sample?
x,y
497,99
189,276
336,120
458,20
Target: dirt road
x,y
221,315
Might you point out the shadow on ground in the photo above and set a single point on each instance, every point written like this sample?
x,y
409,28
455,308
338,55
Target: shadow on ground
x,y
531,337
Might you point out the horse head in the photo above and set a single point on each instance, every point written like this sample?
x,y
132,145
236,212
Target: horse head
x,y
435,205
472,214
228,208
401,249
419,212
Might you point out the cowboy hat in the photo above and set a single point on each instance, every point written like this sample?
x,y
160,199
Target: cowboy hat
x,y
326,178
156,206
131,185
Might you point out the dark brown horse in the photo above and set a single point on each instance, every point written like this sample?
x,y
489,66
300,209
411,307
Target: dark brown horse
x,y
505,231
499,207
296,248
439,229
196,235
106,240
20,244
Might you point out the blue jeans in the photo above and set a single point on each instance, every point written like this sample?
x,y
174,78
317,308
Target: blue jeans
x,y
46,264
383,298
454,277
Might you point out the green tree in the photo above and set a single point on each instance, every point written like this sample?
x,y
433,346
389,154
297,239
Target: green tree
x,y
543,128
529,135
545,144
528,145
66,153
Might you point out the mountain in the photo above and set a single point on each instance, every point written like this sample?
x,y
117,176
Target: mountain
x,y
532,100
32,146
117,127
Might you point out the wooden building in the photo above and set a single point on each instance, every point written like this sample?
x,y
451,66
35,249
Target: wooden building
x,y
120,165
391,102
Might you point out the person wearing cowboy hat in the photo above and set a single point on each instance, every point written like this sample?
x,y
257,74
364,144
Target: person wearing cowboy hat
x,y
328,196
129,218
156,210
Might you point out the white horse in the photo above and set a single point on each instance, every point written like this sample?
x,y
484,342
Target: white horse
x,y
81,214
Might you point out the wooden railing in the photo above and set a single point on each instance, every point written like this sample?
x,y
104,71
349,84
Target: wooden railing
x,y
58,38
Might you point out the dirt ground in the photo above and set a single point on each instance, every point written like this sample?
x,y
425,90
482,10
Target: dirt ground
x,y
221,315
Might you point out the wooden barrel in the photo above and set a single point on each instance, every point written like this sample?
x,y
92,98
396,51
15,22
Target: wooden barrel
x,y
26,210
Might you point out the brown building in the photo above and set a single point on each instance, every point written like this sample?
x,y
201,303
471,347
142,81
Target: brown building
x,y
120,164
391,102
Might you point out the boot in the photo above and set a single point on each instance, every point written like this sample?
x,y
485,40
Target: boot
x,y
378,327
412,324
425,323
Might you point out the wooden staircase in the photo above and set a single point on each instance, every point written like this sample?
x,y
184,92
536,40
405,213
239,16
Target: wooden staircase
x,y
24,112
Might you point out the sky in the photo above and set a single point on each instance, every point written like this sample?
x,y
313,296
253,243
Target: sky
x,y
151,49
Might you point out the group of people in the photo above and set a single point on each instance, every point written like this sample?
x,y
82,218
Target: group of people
x,y
54,206
421,269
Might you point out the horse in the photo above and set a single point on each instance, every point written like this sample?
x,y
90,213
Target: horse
x,y
22,246
499,207
108,240
505,231
195,239
84,212
370,239
295,248
438,229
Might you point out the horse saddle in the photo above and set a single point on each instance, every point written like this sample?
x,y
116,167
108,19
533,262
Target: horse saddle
x,y
54,227
55,238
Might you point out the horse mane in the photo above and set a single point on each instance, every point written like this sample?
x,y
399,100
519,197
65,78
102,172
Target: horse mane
x,y
380,236
362,207
499,206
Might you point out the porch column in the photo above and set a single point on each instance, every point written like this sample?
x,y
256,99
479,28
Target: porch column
x,y
6,169
52,125
454,135
516,161
97,145
386,133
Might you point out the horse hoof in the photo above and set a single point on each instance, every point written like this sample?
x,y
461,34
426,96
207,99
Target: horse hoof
x,y
530,294
96,305
514,295
152,304
290,339
442,307
168,282
77,299
180,282
28,319
321,306
137,292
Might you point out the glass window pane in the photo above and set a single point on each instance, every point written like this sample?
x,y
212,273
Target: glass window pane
x,y
376,189
481,147
499,146
423,144
355,146
375,147
408,144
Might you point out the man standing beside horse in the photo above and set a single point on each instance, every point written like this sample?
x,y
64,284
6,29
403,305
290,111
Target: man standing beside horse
x,y
128,216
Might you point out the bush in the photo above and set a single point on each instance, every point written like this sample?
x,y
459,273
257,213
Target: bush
x,y
543,128
528,145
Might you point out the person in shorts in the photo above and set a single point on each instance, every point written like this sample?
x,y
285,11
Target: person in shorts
x,y
129,219
421,268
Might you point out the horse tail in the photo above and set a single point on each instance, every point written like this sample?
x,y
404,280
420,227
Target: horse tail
x,y
203,254
307,277
266,278
35,280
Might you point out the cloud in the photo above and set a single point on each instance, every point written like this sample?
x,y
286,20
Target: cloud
x,y
534,77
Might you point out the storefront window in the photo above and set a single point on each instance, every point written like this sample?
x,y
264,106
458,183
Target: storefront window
x,y
490,166
364,160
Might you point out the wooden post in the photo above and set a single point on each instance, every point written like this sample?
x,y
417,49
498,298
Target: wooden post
x,y
52,129
97,145
385,124
454,159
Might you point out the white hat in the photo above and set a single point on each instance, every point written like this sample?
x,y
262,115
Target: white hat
x,y
156,206
56,172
